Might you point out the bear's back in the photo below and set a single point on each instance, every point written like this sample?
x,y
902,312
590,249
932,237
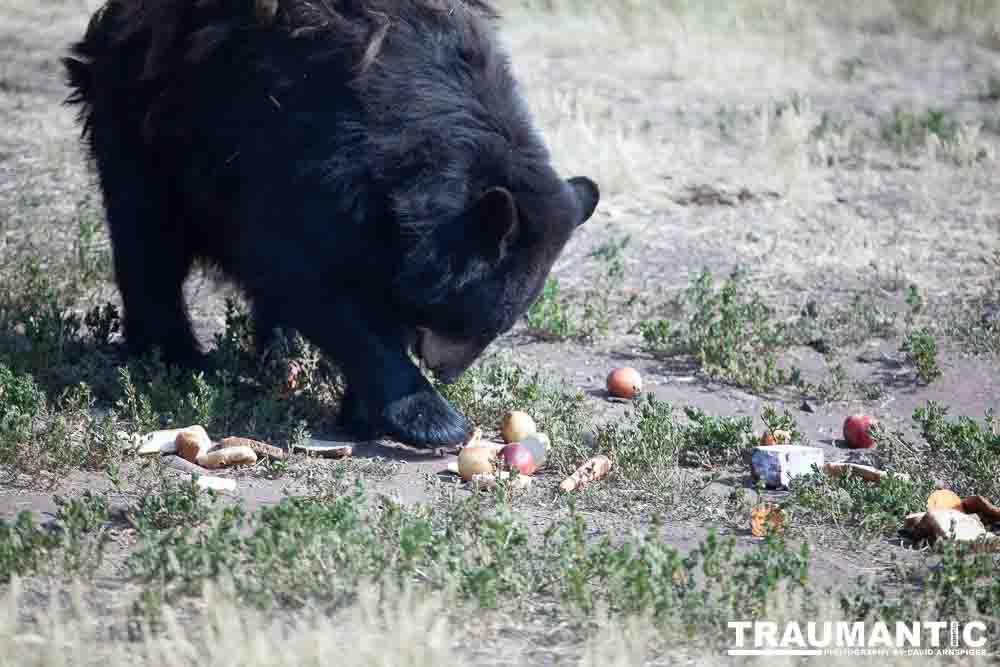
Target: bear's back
x,y
377,91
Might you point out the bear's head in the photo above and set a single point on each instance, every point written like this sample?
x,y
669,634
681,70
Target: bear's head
x,y
468,280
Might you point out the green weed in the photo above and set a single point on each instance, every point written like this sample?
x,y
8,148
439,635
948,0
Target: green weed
x,y
72,544
848,501
41,439
954,582
729,330
920,350
839,386
554,317
962,451
549,317
306,550
173,504
975,324
991,89
709,441
851,69
644,441
783,422
23,546
906,130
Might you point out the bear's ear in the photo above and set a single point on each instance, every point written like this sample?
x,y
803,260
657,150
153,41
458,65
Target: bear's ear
x,y
587,194
496,213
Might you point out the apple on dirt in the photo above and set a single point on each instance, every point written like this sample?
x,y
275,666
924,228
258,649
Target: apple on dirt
x,y
538,444
518,457
475,460
857,431
517,425
624,382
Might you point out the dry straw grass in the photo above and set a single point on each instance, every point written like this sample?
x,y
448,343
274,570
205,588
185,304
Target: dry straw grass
x,y
404,629
407,630
609,80
654,97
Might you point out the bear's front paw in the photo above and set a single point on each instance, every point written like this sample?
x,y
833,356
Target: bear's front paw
x,y
425,419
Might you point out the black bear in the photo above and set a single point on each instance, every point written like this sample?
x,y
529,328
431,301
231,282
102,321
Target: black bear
x,y
365,170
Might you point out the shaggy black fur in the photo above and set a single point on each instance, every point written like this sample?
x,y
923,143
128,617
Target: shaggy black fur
x,y
365,169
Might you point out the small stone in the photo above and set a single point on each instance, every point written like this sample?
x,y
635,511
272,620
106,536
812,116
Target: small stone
x,y
777,465
821,345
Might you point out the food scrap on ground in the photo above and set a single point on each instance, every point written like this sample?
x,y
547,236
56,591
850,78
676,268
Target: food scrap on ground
x,y
776,437
192,443
479,459
867,473
777,465
190,449
950,517
765,517
327,450
952,525
979,505
944,499
592,470
165,441
538,444
228,456
261,449
182,465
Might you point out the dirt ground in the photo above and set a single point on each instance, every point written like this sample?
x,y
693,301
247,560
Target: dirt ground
x,y
657,111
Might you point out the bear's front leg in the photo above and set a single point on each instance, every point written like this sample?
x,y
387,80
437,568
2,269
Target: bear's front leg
x,y
387,395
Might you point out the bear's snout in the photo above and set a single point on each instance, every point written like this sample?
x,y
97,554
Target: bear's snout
x,y
448,358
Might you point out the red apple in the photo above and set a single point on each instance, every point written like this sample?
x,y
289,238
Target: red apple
x,y
519,457
856,431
